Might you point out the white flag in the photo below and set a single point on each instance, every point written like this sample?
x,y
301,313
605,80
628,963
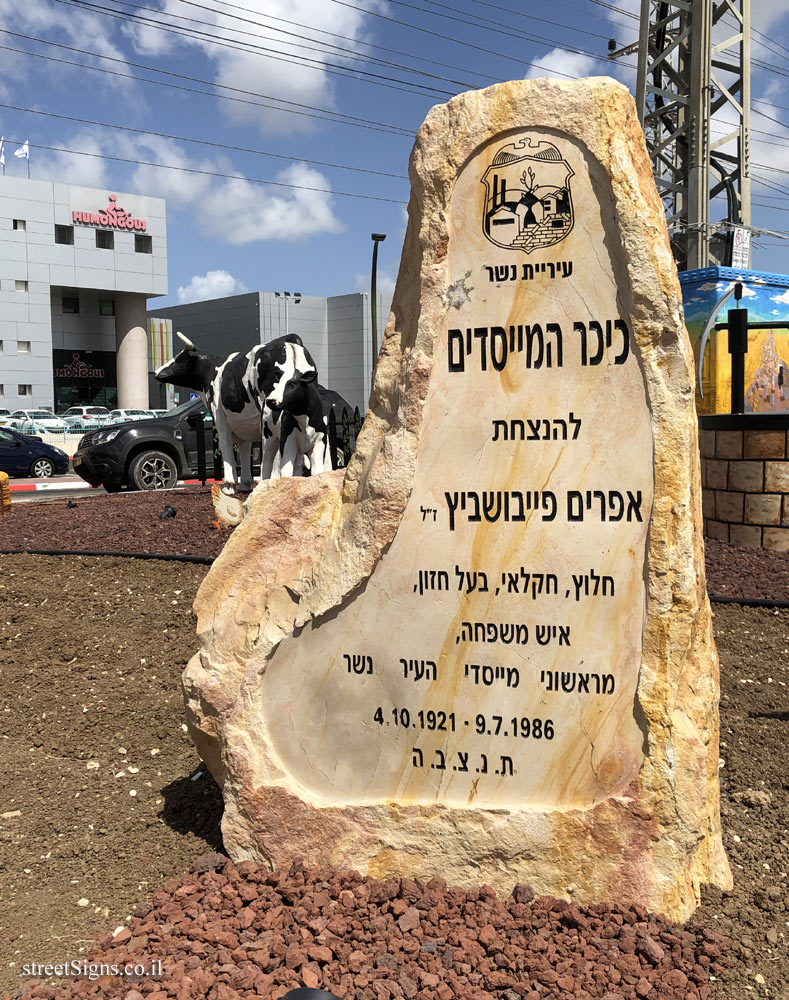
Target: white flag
x,y
24,151
2,151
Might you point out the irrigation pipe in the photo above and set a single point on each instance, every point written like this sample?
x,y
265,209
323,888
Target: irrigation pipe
x,y
202,560
749,602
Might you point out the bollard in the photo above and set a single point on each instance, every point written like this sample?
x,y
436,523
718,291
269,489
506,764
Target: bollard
x,y
5,493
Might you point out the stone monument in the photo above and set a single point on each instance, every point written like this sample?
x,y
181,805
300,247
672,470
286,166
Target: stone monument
x,y
483,650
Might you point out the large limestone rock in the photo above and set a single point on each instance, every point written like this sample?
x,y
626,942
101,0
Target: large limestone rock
x,y
484,650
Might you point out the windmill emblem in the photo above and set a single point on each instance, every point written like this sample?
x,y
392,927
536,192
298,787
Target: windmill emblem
x,y
527,196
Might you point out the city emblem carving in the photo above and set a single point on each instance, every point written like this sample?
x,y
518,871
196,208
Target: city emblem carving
x,y
528,204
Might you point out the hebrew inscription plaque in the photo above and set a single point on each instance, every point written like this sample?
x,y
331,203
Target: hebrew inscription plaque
x,y
492,656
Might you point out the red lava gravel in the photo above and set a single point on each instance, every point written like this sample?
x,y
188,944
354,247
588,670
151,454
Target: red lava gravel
x,y
735,571
238,930
121,522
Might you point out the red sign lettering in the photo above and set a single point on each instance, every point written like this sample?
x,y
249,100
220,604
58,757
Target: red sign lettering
x,y
78,369
112,217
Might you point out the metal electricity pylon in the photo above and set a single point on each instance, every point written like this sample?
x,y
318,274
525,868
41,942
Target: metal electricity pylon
x,y
693,96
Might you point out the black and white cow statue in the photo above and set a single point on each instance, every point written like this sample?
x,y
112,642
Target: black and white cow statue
x,y
245,396
298,415
296,419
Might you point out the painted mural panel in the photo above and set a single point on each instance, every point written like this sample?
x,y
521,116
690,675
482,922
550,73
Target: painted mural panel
x,y
766,297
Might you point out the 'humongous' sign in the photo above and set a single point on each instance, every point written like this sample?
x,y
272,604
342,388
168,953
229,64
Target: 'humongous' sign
x,y
112,217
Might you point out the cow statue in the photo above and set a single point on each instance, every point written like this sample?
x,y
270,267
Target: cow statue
x,y
303,427
237,393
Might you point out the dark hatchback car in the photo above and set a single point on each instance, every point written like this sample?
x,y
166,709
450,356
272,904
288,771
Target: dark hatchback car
x,y
27,455
147,454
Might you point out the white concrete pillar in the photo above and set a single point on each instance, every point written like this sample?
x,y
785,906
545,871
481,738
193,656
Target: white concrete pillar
x,y
131,344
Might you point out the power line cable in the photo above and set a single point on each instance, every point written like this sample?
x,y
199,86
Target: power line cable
x,y
204,142
208,173
295,107
352,120
533,17
780,107
447,38
615,9
321,47
479,23
775,208
332,34
349,53
375,79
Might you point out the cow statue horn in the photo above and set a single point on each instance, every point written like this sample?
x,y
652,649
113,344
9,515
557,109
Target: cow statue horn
x,y
189,345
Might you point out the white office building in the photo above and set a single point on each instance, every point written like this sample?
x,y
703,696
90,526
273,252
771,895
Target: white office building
x,y
77,266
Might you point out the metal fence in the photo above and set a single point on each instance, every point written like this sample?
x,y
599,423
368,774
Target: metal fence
x,y
342,436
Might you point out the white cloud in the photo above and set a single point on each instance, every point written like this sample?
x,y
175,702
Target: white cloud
x,y
562,64
211,285
69,168
384,282
239,212
765,13
722,286
276,64
232,209
74,25
783,298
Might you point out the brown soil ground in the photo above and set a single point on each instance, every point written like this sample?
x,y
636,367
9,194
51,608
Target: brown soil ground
x,y
91,650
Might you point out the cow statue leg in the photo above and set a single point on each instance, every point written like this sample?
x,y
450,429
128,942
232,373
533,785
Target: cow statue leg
x,y
226,448
269,458
290,458
291,447
245,461
319,455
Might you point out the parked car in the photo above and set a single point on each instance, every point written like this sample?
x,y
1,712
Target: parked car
x,y
148,454
36,422
23,455
118,416
86,417
4,416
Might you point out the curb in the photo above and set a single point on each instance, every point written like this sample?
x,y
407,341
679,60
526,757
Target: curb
x,y
23,488
54,485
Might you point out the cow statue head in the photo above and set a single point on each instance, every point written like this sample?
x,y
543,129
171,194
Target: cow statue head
x,y
189,368
294,392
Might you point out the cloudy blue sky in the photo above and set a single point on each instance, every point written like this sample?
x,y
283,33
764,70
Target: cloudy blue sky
x,y
316,96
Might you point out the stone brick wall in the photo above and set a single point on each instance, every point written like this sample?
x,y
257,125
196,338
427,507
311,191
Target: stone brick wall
x,y
745,480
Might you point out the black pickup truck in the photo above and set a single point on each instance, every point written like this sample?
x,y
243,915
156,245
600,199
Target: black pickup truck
x,y
147,454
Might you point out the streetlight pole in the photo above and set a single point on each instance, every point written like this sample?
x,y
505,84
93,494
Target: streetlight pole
x,y
376,238
286,297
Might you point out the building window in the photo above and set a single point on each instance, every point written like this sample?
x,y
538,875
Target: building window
x,y
24,390
105,240
70,304
20,225
2,389
64,235
23,347
143,244
1,346
106,307
20,286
